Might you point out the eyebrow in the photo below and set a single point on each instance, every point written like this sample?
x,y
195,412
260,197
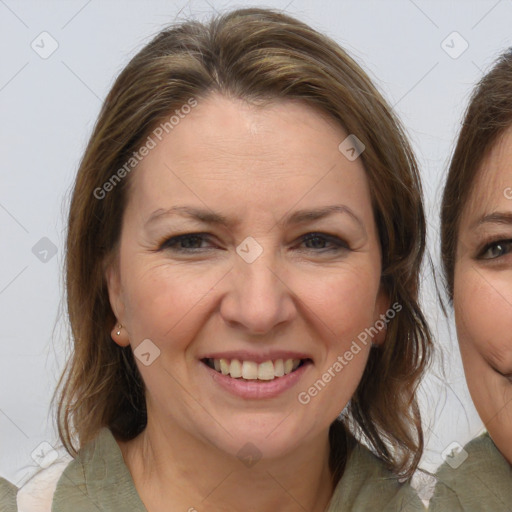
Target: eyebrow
x,y
209,217
493,218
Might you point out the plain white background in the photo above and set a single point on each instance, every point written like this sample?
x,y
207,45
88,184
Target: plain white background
x,y
49,105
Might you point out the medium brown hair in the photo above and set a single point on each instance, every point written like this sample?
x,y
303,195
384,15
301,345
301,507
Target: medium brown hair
x,y
256,55
487,117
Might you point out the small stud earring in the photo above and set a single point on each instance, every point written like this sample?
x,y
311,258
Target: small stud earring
x,y
119,327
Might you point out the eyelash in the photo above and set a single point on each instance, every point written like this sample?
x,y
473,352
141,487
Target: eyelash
x,y
506,243
171,243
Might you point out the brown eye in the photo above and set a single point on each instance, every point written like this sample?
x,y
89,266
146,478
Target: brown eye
x,y
496,249
323,242
183,243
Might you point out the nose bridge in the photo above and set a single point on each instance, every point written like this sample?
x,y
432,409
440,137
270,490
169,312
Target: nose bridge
x,y
258,299
259,277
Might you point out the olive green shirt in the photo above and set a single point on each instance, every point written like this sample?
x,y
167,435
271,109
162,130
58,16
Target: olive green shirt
x,y
481,483
99,480
7,496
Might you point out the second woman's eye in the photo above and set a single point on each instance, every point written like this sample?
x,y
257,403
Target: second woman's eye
x,y
495,250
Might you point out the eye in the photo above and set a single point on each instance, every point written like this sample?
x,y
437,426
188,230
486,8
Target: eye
x,y
191,242
318,241
495,249
184,243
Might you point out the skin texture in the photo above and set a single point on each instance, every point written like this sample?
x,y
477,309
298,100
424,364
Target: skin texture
x,y
255,166
483,293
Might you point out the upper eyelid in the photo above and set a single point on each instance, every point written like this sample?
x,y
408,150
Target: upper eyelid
x,y
490,238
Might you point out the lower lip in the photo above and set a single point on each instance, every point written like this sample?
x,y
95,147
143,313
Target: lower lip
x,y
258,389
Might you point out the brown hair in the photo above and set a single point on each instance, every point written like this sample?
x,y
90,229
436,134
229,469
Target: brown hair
x,y
256,55
487,117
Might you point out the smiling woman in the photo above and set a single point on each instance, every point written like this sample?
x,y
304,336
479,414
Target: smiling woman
x,y
476,230
267,245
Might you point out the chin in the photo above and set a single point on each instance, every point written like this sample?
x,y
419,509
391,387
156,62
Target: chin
x,y
269,439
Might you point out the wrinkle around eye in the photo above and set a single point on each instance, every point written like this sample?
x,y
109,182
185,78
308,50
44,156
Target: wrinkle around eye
x,y
498,356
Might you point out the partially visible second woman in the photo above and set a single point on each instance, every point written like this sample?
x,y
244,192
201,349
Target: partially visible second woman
x,y
476,227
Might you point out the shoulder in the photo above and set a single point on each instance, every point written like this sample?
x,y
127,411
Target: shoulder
x,y
7,496
68,482
483,446
367,484
98,475
476,477
36,495
79,480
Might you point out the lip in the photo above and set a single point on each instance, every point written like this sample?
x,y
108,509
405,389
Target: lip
x,y
256,389
257,357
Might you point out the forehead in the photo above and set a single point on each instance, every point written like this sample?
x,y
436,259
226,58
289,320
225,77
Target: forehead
x,y
233,128
227,150
492,188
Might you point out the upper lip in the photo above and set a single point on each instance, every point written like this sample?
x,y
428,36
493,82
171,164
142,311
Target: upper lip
x,y
257,357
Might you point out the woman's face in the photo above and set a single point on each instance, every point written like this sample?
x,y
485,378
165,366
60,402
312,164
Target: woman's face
x,y
270,256
483,293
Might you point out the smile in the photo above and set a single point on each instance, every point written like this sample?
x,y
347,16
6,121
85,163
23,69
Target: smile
x,y
251,370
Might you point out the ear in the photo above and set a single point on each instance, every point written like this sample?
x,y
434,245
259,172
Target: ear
x,y
116,298
382,306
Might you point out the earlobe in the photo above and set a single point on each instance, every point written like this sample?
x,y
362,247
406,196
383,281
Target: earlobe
x,y
119,335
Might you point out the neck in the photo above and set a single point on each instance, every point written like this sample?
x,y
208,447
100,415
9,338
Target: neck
x,y
172,467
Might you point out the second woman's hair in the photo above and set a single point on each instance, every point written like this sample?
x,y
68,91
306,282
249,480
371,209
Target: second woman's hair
x,y
487,117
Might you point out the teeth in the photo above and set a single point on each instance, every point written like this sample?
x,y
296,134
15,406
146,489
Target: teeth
x,y
250,370
266,371
279,368
224,366
236,369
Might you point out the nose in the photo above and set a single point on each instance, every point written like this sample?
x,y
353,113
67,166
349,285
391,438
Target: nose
x,y
258,298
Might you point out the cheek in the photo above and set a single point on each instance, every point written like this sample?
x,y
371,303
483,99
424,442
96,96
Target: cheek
x,y
483,313
340,305
160,297
354,299
484,325
171,303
